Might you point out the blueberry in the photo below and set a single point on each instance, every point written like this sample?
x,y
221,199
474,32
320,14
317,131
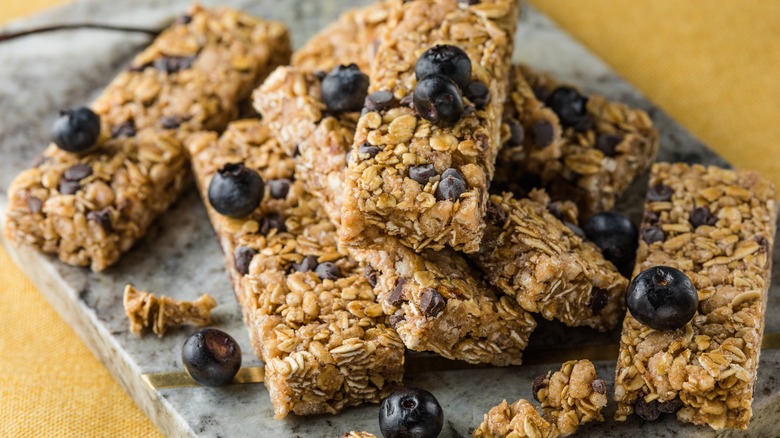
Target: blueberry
x,y
616,236
445,60
438,100
569,105
211,357
662,298
76,130
344,89
235,191
478,93
410,413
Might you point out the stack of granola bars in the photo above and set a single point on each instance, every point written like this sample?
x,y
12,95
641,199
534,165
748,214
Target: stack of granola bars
x,y
410,210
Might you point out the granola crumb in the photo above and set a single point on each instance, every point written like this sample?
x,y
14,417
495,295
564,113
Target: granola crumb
x,y
144,310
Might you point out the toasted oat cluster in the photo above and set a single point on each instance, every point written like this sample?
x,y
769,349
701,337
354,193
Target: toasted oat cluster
x,y
381,198
536,259
590,163
145,310
311,311
90,208
358,435
718,227
570,397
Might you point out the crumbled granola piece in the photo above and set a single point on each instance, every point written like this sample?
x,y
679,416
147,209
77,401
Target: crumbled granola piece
x,y
705,371
380,198
570,397
145,310
590,163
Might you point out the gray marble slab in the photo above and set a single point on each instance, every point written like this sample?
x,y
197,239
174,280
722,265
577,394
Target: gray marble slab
x,y
42,74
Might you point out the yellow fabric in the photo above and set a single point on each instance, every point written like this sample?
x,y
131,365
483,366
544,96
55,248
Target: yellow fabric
x,y
713,65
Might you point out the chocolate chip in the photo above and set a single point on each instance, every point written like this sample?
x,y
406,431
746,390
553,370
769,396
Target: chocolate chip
x,y
68,187
279,188
272,221
309,263
469,2
540,382
659,193
702,216
451,186
575,229
478,93
542,133
371,275
320,75
555,209
422,173
379,100
407,100
651,218
599,386
517,133
171,122
431,302
77,172
646,411
297,151
671,406
102,218
599,299
607,143
540,92
371,150
126,129
495,214
396,319
242,257
172,64
34,204
763,242
396,297
328,271
653,234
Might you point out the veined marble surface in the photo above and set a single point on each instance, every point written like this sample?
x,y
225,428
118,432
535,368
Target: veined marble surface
x,y
39,75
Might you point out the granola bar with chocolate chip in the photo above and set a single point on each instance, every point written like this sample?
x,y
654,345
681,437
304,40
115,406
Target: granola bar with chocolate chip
x,y
718,227
570,398
442,201
311,313
437,301
590,160
542,263
90,208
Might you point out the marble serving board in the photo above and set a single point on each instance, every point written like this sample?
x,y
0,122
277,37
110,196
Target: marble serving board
x,y
42,74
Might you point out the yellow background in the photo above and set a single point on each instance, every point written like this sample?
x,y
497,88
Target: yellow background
x,y
713,65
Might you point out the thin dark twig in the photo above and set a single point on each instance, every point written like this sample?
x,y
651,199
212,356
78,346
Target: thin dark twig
x,y
11,35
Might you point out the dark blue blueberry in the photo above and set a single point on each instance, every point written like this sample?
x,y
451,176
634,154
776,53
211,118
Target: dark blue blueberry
x,y
235,191
446,60
662,298
616,236
76,130
410,413
344,89
438,100
211,357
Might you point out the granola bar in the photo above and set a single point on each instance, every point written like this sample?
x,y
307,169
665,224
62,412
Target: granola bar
x,y
570,397
89,209
380,198
590,163
351,39
311,312
144,309
538,260
718,227
437,301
